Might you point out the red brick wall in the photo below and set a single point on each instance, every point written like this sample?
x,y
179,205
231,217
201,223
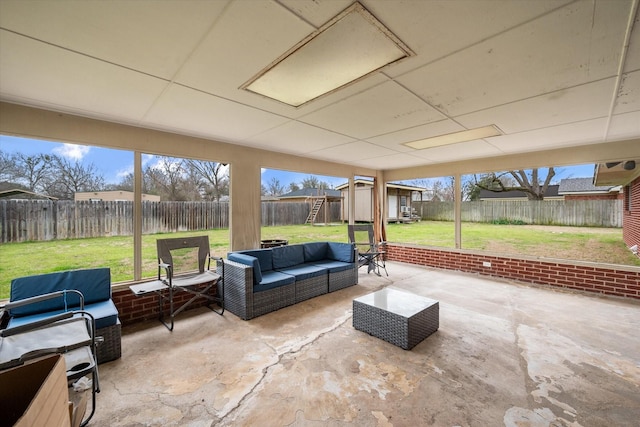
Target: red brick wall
x,y
623,282
132,309
631,217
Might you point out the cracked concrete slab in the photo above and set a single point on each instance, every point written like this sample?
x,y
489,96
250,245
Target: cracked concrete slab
x,y
505,354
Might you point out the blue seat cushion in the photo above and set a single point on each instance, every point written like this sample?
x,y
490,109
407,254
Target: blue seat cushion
x,y
305,271
104,312
340,252
315,251
249,260
287,256
264,257
95,285
334,266
273,279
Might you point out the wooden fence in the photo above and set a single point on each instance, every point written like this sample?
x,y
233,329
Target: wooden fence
x,y
590,213
37,220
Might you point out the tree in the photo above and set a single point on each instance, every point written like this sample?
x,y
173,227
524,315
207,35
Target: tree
x,y
525,181
293,187
34,172
274,188
314,182
166,178
72,177
214,178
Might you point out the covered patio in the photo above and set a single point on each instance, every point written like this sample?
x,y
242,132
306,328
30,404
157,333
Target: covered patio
x,y
505,354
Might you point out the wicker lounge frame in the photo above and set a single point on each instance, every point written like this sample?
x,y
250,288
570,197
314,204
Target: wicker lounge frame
x,y
241,300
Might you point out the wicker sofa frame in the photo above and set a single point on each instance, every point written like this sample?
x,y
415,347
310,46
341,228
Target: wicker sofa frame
x,y
241,299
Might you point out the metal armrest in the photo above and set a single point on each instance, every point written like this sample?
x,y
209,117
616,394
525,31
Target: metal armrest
x,y
36,324
45,297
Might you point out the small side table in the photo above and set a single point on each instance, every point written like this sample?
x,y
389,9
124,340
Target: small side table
x,y
398,317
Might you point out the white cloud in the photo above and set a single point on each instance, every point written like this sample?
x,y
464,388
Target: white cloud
x,y
72,151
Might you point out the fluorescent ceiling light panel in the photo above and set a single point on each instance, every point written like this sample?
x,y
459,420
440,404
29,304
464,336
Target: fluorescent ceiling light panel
x,y
347,48
455,137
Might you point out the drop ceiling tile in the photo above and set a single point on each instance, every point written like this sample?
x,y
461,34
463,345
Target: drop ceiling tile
x,y
586,102
395,140
298,138
400,160
152,37
589,131
624,126
44,75
437,28
526,61
243,42
629,94
460,151
380,110
353,151
199,114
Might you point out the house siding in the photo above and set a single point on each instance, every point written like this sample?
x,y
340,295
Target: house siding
x,y
631,216
586,277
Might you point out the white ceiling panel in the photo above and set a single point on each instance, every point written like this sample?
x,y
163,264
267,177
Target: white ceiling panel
x,y
298,138
315,12
353,151
460,151
222,64
382,109
57,78
426,26
392,161
200,114
624,126
149,36
576,104
629,94
510,63
396,140
589,131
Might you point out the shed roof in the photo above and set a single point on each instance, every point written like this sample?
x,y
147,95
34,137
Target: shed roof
x,y
581,185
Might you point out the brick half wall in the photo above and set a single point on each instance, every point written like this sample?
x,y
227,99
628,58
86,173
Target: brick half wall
x,y
613,280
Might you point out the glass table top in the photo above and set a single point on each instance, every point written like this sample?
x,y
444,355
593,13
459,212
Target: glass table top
x,y
396,301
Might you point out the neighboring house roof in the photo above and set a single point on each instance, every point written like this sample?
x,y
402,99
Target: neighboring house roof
x,y
18,192
583,186
389,185
311,192
552,191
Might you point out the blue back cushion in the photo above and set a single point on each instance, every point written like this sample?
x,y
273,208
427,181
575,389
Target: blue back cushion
x,y
340,252
95,285
264,257
286,256
250,261
315,251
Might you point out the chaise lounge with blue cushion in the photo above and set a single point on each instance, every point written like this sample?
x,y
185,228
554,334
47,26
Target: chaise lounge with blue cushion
x,y
260,281
95,286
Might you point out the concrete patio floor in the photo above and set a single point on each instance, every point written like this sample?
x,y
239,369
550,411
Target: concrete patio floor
x,y
505,354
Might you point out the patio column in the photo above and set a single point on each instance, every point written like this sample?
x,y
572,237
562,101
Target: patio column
x,y
457,209
244,207
379,207
351,210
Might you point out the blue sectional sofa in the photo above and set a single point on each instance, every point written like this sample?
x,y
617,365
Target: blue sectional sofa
x,y
95,286
260,281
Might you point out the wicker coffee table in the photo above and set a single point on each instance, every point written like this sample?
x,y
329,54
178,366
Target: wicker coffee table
x,y
398,317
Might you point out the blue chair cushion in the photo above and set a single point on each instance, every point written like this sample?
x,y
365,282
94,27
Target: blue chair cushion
x,y
104,312
273,279
340,252
334,266
305,271
249,260
95,285
287,256
263,255
315,251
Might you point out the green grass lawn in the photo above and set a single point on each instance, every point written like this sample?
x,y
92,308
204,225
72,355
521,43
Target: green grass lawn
x,y
574,243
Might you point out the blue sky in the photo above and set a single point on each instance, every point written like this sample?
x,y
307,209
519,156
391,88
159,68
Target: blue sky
x,y
114,164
